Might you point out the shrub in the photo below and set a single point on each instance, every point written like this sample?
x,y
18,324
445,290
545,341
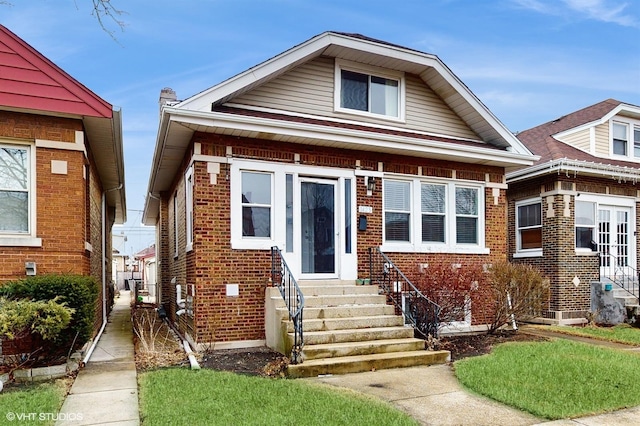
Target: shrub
x,y
450,286
79,293
21,317
518,291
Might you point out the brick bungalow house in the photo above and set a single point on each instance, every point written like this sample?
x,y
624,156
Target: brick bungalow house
x,y
339,144
574,213
61,171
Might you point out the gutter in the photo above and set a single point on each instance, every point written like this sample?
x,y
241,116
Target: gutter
x,y
574,167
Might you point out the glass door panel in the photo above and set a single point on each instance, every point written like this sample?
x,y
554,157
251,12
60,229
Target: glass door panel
x,y
318,226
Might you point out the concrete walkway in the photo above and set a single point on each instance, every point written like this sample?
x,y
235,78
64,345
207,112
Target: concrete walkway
x,y
106,389
433,396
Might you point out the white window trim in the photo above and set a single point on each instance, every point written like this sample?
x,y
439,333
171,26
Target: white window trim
x,y
25,239
631,125
189,219
415,245
527,252
611,201
270,205
278,230
341,64
176,234
594,227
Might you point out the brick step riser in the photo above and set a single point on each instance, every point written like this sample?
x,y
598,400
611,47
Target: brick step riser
x,y
328,324
364,348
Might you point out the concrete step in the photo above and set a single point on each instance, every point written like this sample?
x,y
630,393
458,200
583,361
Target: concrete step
x,y
354,335
338,290
326,324
315,312
360,363
344,299
334,350
307,283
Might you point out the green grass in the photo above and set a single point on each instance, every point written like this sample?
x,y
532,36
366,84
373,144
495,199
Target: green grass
x,y
555,379
207,397
623,333
31,402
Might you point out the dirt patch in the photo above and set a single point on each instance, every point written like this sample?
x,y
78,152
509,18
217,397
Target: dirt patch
x,y
253,361
156,344
463,346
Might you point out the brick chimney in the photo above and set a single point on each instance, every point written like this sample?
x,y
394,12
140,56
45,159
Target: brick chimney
x,y
167,97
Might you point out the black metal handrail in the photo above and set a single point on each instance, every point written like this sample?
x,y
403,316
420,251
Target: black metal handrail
x,y
418,310
294,299
617,270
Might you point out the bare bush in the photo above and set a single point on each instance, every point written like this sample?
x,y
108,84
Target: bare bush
x,y
451,286
519,292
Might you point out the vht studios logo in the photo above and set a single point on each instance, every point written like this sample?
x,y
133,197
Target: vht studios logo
x,y
13,416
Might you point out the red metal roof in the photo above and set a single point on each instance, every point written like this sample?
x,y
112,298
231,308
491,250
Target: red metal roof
x,y
30,81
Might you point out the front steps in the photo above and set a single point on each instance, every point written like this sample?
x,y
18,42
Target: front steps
x,y
349,328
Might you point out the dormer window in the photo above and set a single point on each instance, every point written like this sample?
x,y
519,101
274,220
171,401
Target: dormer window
x,y
623,135
369,91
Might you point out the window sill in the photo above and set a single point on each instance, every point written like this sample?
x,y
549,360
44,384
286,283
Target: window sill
x,y
533,253
20,242
410,248
586,252
359,113
252,245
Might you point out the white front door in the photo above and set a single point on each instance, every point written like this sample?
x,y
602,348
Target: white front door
x,y
318,228
615,238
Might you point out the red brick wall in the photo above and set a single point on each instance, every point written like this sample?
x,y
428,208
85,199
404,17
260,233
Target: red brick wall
x,y
68,205
212,264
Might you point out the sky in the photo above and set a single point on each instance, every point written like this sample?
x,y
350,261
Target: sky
x,y
528,61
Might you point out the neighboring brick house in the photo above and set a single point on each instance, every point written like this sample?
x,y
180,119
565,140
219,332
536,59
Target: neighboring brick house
x,y
294,151
574,213
61,170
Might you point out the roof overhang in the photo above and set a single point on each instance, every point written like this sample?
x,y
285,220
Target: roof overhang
x,y
104,136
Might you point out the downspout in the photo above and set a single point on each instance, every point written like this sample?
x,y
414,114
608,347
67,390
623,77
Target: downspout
x,y
104,273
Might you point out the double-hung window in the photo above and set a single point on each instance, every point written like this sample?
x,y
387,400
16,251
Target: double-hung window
x,y
372,91
15,186
397,206
625,138
529,227
433,205
189,207
585,223
438,216
466,215
256,204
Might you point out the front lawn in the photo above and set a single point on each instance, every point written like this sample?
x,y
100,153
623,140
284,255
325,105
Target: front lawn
x,y
622,333
33,404
556,379
181,396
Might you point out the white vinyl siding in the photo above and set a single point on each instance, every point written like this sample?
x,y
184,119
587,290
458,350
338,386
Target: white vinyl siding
x,y
309,89
580,140
602,140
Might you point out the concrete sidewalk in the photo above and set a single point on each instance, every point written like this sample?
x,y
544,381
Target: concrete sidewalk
x,y
106,389
433,396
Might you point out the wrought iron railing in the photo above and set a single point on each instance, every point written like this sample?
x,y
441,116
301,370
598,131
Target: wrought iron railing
x,y
419,311
617,270
294,299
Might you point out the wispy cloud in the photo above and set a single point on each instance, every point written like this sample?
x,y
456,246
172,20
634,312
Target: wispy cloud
x,y
610,11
